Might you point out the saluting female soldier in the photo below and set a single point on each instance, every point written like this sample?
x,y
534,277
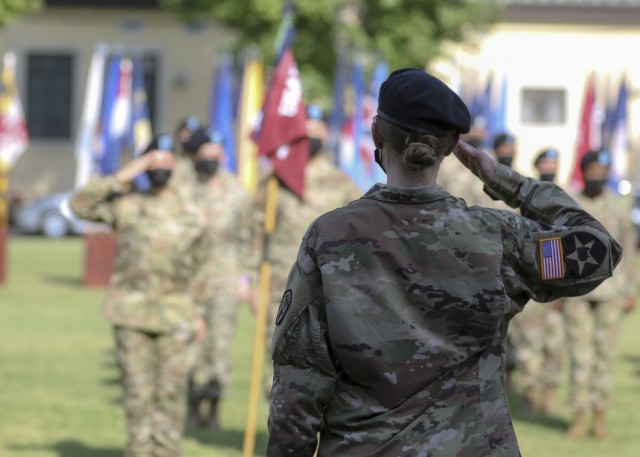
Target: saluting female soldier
x,y
162,243
390,339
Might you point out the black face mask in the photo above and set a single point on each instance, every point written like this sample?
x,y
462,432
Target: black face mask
x,y
505,161
316,146
377,155
207,167
549,177
593,188
158,176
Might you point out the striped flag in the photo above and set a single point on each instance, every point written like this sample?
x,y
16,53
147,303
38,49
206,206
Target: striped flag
x,y
551,258
14,138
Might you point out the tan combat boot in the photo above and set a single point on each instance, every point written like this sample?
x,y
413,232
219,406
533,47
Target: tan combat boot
x,y
599,427
212,420
578,427
549,405
531,404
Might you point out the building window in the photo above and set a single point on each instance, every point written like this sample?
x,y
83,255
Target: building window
x,y
49,95
543,106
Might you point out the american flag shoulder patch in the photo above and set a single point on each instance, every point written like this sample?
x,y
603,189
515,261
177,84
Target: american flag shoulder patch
x,y
551,258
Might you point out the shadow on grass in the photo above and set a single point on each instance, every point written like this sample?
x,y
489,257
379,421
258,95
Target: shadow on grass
x,y
227,438
69,448
57,280
634,360
520,412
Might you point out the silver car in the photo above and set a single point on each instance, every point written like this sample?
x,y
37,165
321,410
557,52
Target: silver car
x,y
49,216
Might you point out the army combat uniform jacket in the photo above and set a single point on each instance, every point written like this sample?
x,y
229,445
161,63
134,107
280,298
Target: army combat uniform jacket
x,y
161,244
390,337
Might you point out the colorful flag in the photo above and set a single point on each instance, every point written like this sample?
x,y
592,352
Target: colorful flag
x,y
221,116
251,96
380,74
87,135
337,118
585,133
286,31
619,145
497,114
14,138
283,131
141,132
116,114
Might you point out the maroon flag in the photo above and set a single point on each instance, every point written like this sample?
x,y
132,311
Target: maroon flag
x,y
283,132
587,131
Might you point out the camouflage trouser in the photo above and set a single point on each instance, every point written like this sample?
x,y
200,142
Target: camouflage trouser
x,y
211,372
538,341
154,370
592,331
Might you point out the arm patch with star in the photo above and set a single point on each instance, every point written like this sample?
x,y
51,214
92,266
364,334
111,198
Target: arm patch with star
x,y
572,256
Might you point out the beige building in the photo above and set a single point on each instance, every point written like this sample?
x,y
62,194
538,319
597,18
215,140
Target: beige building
x,y
546,50
54,49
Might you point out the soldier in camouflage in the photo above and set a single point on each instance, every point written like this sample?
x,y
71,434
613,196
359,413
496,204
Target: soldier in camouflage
x,y
540,337
184,177
226,208
390,337
161,245
593,320
326,188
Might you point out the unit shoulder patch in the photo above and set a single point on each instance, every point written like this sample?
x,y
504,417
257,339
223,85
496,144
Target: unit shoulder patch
x,y
570,257
285,304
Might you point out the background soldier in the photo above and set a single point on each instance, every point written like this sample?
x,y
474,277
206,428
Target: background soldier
x,y
593,320
161,245
185,177
226,208
539,331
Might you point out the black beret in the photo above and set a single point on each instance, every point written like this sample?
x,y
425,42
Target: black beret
x,y
190,123
162,142
201,136
417,101
548,153
600,156
501,139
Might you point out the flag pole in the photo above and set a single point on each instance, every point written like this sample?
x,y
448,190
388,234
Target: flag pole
x,y
264,299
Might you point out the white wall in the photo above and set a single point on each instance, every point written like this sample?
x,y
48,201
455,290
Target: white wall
x,y
554,56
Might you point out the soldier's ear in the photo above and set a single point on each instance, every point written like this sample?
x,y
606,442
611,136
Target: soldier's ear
x,y
377,139
454,143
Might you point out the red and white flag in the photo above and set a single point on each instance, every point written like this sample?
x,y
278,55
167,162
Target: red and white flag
x,y
14,138
283,132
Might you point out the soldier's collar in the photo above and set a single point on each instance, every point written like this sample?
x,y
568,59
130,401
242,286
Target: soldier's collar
x,y
422,194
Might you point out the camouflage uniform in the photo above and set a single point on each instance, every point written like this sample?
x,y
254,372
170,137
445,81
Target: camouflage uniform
x,y
326,188
390,335
593,320
184,179
161,244
226,206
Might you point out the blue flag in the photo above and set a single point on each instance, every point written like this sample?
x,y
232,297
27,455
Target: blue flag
x,y
116,114
497,117
221,115
337,117
619,145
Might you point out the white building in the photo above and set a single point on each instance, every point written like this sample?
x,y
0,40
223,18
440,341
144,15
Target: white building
x,y
547,49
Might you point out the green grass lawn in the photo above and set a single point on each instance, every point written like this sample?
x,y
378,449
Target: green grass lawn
x,y
59,393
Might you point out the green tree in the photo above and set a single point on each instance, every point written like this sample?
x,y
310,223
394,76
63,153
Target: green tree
x,y
12,8
402,32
